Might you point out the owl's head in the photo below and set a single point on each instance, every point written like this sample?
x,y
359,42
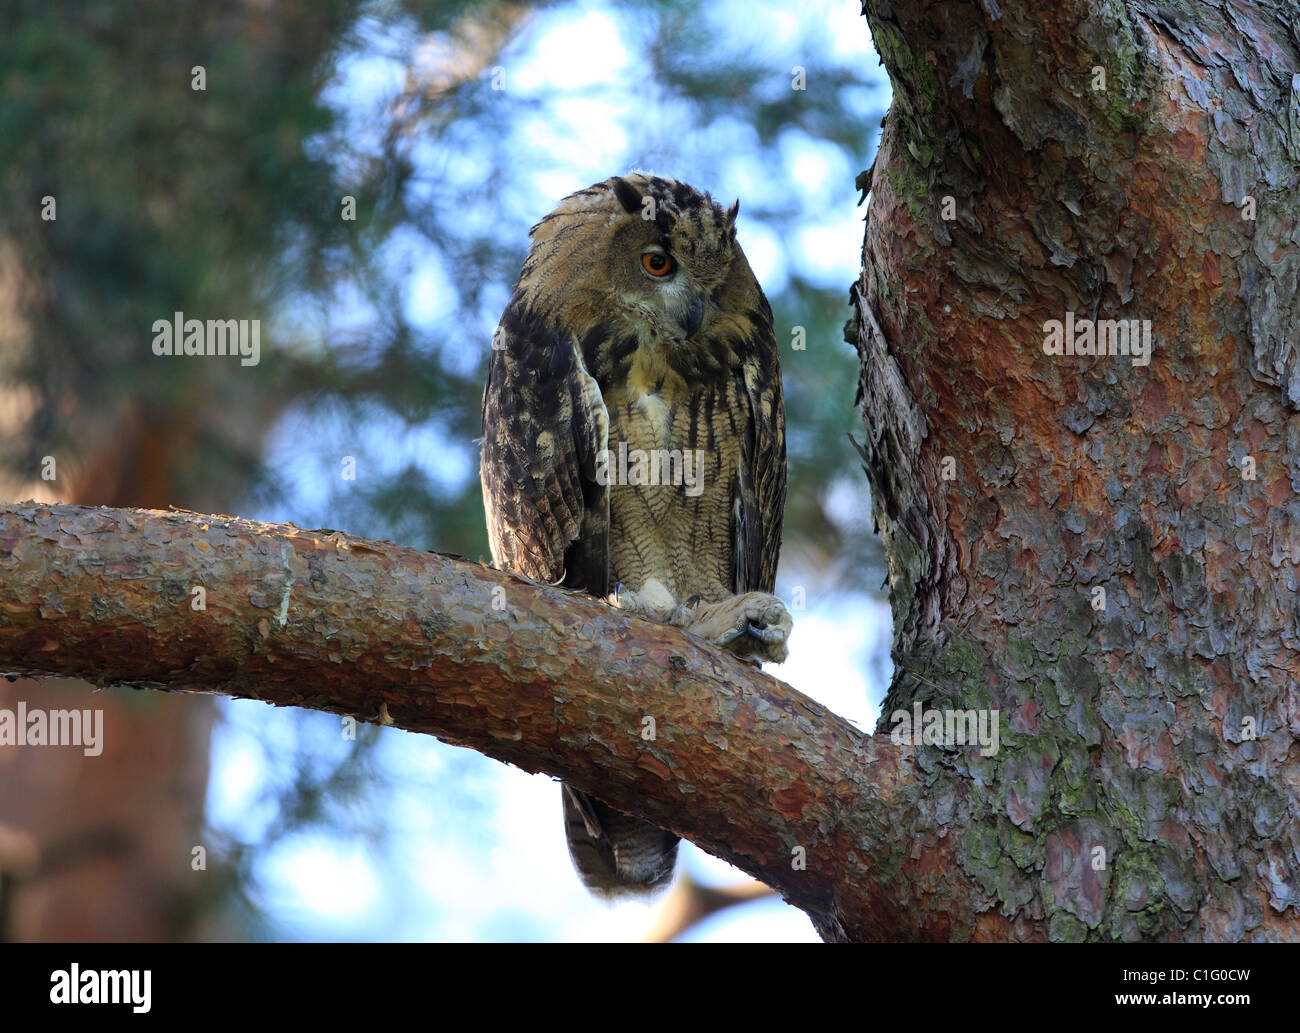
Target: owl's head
x,y
640,253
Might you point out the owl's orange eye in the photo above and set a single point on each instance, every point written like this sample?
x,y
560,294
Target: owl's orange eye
x,y
657,265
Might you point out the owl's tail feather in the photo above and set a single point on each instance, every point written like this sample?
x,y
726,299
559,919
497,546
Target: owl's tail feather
x,y
616,854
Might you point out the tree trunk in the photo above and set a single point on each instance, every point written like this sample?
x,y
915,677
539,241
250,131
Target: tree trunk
x,y
1102,551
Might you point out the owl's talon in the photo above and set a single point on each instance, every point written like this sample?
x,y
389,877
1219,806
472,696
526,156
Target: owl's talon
x,y
754,626
765,634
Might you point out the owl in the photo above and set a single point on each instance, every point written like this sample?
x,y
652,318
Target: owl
x,y
634,445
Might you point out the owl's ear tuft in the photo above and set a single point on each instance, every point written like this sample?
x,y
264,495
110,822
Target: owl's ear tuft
x,y
635,203
627,195
732,212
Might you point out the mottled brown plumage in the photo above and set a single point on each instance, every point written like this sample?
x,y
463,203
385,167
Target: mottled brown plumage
x,y
634,443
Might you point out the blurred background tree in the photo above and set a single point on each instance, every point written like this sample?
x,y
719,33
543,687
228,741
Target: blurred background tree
x,y
452,127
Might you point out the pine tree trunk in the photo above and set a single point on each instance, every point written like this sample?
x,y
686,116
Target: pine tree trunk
x,y
1101,550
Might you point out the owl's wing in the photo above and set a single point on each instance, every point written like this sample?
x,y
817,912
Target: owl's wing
x,y
760,483
544,424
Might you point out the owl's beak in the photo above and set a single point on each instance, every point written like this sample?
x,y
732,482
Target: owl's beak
x,y
694,316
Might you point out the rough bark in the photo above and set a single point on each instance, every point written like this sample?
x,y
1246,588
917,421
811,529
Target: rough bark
x,y
543,678
1157,723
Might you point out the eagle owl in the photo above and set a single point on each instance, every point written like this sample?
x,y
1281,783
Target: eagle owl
x,y
634,445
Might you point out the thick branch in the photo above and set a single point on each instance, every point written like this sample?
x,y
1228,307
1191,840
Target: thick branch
x,y
544,678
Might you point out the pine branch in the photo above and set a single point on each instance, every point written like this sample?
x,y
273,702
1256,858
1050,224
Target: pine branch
x,y
650,719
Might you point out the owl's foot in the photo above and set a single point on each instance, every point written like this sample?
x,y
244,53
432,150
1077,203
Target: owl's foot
x,y
754,626
652,601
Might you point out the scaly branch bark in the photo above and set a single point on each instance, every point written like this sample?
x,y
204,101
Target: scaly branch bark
x,y
540,677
